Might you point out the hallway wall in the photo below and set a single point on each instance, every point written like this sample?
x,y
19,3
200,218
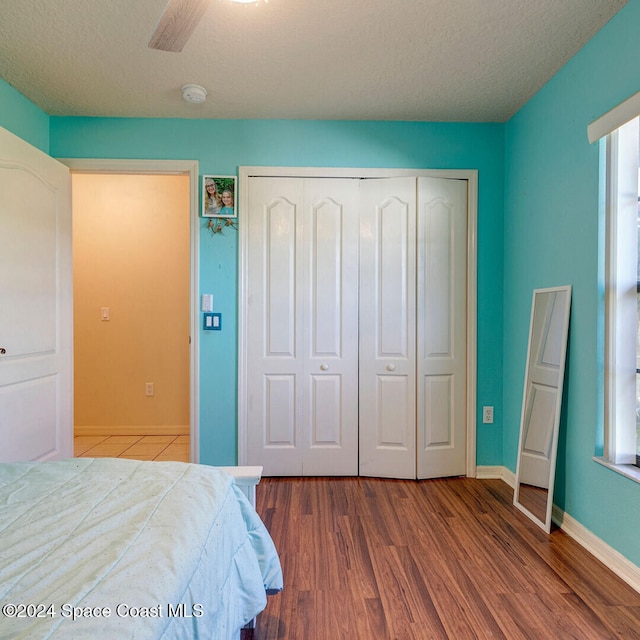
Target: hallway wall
x,y
131,249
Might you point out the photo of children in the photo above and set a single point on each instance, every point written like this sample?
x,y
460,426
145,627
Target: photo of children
x,y
218,197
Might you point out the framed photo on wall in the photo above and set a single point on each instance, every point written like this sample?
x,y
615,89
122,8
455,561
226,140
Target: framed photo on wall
x,y
219,197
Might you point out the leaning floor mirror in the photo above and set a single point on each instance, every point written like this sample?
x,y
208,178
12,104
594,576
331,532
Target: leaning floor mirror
x,y
541,404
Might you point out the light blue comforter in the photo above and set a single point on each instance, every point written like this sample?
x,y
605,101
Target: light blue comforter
x,y
116,549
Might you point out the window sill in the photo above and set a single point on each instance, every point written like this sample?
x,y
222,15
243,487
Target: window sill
x,y
627,470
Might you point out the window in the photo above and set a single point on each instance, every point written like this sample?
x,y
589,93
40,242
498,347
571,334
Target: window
x,y
622,311
638,322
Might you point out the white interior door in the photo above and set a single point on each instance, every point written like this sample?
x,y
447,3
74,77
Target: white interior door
x,y
441,323
545,358
36,420
302,415
387,389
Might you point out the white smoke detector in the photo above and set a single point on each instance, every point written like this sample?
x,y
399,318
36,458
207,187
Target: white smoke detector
x,y
194,93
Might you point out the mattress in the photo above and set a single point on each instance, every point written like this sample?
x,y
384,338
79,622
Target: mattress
x,y
120,548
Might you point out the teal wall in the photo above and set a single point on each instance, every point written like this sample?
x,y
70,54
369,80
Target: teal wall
x,y
23,118
221,146
553,215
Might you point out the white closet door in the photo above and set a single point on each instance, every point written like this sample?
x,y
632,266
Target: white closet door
x,y
387,386
330,325
441,327
36,330
274,312
302,326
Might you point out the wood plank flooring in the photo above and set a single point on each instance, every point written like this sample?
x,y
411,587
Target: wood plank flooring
x,y
440,559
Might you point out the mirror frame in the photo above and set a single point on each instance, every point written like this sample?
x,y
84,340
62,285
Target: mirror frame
x,y
546,523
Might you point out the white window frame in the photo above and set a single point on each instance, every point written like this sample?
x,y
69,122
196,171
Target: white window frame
x,y
619,128
621,294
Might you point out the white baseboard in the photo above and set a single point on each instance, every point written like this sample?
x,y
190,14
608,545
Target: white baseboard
x,y
496,473
132,430
621,566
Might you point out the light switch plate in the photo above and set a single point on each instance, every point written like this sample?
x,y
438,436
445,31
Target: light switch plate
x,y
207,302
212,322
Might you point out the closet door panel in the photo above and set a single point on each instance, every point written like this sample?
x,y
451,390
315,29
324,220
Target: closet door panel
x,y
302,357
275,326
279,272
438,397
387,328
392,409
330,275
326,272
325,410
441,327
393,277
279,410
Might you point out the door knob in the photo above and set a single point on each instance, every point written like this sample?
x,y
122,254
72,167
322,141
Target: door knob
x,y
391,367
324,367
2,351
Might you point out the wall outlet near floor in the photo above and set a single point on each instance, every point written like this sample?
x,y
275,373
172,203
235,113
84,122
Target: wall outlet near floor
x,y
148,388
487,415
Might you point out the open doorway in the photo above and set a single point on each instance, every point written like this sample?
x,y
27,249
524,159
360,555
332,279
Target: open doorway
x,y
133,241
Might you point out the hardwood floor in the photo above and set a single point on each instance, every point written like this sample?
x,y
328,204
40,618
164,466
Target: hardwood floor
x,y
440,559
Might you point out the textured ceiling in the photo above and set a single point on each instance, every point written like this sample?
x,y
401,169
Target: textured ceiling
x,y
434,60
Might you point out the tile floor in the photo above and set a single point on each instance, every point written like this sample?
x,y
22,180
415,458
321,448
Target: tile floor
x,y
174,448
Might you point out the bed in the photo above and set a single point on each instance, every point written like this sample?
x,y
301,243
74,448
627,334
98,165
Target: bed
x,y
119,548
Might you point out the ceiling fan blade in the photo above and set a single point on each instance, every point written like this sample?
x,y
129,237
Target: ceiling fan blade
x,y
177,23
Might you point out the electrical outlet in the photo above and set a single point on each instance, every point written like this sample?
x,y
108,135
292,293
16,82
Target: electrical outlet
x,y
148,388
487,415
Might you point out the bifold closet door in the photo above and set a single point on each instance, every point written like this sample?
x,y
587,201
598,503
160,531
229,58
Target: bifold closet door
x,y
412,386
441,327
387,384
302,309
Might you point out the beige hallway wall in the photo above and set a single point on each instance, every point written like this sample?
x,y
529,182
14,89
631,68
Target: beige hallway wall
x,y
131,254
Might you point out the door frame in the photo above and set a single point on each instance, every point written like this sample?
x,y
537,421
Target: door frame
x,y
470,175
168,167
